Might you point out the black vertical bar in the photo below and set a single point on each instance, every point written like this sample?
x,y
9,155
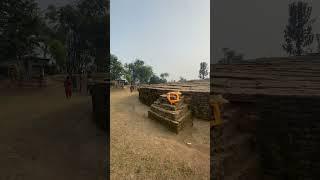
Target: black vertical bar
x,y
211,91
107,99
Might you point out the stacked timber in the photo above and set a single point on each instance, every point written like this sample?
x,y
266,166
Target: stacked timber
x,y
174,116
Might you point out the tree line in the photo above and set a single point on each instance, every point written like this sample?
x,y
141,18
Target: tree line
x,y
298,34
139,72
73,35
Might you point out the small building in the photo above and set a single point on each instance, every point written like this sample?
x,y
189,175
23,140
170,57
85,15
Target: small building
x,y
118,83
35,67
30,71
121,82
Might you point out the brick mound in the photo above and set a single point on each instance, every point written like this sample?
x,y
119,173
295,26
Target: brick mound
x,y
174,116
196,95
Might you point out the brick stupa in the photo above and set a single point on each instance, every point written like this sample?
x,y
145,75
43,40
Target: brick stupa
x,y
174,116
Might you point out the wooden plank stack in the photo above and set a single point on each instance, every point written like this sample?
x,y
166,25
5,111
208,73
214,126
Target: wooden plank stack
x,y
175,116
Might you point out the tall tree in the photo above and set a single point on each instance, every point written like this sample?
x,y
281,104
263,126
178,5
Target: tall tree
x,y
298,34
203,72
138,71
164,75
58,52
83,28
116,68
20,29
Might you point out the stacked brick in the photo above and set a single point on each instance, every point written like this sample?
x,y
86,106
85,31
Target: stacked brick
x,y
199,105
175,117
233,151
284,96
198,100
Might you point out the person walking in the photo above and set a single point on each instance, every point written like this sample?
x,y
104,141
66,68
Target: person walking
x,y
131,87
68,87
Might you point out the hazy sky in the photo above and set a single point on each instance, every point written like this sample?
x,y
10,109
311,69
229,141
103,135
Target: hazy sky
x,y
170,35
254,28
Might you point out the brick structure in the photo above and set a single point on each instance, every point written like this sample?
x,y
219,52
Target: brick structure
x,y
196,94
175,116
272,118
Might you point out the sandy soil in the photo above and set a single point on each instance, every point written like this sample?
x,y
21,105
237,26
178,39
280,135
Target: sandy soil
x,y
144,149
44,136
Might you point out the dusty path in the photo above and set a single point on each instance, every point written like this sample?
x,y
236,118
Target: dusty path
x,y
43,136
144,149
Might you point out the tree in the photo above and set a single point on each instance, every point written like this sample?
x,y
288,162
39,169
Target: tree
x,y
164,75
127,73
20,29
58,52
138,71
203,72
116,68
144,74
83,27
182,79
155,79
230,56
298,33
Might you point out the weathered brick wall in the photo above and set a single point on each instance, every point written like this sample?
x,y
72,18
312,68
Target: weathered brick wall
x,y
287,131
216,160
198,101
288,136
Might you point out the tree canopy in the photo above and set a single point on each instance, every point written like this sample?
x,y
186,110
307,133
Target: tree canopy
x,y
116,68
298,34
203,72
20,28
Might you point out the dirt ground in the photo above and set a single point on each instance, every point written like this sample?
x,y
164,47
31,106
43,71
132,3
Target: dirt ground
x,y
144,149
43,136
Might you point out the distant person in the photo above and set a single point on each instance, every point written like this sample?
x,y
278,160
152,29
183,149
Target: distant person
x,y
68,87
131,88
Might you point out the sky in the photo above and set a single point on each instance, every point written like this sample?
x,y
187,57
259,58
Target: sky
x,y
254,28
172,36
